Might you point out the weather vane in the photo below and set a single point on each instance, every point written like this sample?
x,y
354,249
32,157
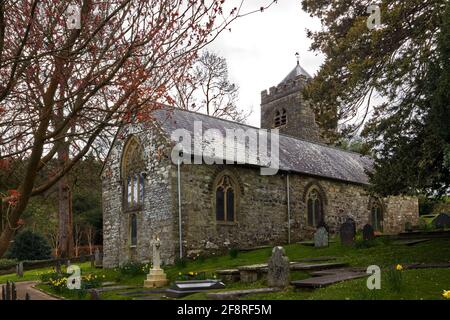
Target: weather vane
x,y
297,55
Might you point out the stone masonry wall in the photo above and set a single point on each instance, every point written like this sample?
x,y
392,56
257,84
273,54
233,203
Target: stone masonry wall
x,y
156,217
262,212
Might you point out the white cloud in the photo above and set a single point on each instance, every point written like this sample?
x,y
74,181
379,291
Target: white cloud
x,y
260,49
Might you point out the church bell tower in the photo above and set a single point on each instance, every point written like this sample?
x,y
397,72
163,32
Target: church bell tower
x,y
283,107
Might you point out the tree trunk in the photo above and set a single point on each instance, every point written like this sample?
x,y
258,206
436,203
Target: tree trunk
x,y
65,225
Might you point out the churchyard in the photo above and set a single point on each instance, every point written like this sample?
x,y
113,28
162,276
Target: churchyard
x,y
410,269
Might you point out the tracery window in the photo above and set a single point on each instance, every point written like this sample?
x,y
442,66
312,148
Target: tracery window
x,y
314,207
133,169
376,216
133,177
225,200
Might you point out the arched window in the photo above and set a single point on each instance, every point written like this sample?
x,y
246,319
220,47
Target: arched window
x,y
280,118
132,173
376,215
133,178
314,207
225,200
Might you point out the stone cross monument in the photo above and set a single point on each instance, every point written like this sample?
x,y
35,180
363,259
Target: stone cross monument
x,y
156,277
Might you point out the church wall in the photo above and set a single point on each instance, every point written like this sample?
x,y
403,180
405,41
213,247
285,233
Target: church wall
x,y
262,212
156,217
400,210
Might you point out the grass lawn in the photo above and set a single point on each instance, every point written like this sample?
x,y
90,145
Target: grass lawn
x,y
416,284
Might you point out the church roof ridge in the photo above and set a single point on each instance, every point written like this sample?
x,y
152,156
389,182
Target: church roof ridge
x,y
259,128
295,154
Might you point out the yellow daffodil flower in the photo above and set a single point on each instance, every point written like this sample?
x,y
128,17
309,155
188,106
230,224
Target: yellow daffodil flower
x,y
446,294
399,267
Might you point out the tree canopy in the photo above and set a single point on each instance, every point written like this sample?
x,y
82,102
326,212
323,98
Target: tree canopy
x,y
405,63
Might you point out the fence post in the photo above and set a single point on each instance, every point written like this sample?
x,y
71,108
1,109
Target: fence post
x,y
8,291
13,291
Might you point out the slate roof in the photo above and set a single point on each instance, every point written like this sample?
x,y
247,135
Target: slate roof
x,y
297,71
295,155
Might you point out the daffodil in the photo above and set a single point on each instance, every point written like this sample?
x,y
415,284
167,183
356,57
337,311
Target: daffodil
x,y
446,294
399,267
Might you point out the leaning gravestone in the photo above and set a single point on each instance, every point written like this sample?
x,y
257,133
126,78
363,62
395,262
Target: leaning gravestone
x,y
321,238
347,233
19,269
442,221
278,269
368,232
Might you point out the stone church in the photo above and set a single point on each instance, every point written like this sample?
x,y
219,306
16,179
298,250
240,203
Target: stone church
x,y
201,209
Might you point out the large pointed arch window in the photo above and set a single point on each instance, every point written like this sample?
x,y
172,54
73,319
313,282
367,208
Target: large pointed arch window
x,y
225,200
314,203
133,175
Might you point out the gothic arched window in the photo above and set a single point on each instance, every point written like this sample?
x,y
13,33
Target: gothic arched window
x,y
376,215
280,118
132,173
225,199
314,203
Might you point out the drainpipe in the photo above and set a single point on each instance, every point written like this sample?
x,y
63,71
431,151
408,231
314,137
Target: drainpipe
x,y
179,211
288,207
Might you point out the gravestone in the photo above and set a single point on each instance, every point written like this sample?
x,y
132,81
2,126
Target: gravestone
x,y
352,222
98,259
82,257
323,224
278,268
368,232
321,238
156,277
442,221
347,233
19,269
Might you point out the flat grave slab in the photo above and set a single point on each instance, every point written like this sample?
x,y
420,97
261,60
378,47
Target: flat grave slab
x,y
183,288
323,281
435,265
317,266
317,259
410,242
253,267
234,294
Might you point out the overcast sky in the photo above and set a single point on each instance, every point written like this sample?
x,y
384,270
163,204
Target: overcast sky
x,y
260,49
